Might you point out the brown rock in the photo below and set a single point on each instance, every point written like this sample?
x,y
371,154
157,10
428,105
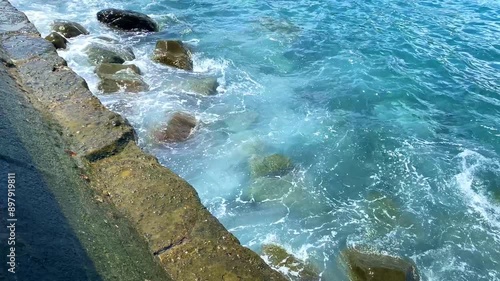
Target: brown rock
x,y
173,53
378,267
179,128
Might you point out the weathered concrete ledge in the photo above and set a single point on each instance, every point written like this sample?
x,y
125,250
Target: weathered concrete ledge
x,y
187,240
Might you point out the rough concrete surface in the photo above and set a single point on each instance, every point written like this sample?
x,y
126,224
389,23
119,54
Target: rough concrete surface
x,y
117,212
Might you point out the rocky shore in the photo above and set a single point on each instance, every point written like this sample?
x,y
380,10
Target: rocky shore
x,y
157,207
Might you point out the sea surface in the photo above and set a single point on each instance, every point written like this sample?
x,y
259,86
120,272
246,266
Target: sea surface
x,y
390,111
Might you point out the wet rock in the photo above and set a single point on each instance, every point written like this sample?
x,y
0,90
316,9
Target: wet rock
x,y
297,269
68,28
378,267
100,53
206,86
173,53
286,191
127,20
57,40
272,165
178,129
241,121
117,77
111,68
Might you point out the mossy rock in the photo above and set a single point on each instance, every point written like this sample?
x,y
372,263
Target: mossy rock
x,y
178,128
173,53
116,77
299,270
57,40
263,189
378,267
68,29
272,165
105,69
100,53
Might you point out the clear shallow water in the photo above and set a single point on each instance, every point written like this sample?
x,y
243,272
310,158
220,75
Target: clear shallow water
x,y
390,110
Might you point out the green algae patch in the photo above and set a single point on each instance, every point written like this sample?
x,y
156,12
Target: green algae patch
x,y
272,165
189,242
297,270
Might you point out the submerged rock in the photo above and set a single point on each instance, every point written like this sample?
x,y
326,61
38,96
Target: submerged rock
x,y
100,53
179,128
206,86
272,165
173,53
377,267
296,269
241,121
127,20
68,28
115,77
57,40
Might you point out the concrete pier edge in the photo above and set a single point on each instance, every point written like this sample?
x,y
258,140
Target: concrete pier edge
x,y
186,240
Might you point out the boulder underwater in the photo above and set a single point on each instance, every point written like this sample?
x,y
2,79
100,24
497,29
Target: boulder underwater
x,y
57,40
272,165
68,29
173,53
115,77
364,266
296,269
127,20
99,53
178,128
205,86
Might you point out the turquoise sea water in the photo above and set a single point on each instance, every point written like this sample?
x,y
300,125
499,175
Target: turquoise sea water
x,y
389,109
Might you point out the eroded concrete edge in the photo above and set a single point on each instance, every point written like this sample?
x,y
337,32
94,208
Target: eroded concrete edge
x,y
189,242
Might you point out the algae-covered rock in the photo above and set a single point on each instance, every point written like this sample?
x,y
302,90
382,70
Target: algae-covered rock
x,y
173,53
272,165
126,20
68,28
264,188
286,191
111,68
297,270
378,267
179,128
57,40
206,86
116,77
100,53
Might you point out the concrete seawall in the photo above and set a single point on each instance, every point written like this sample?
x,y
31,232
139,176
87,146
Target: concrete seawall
x,y
56,132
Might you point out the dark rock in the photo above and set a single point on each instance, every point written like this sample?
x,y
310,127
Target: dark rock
x,y
100,53
179,128
116,77
173,53
272,165
68,28
127,20
297,269
377,267
21,48
57,40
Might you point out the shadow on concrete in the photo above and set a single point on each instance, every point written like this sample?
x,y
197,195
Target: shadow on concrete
x,y
46,247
